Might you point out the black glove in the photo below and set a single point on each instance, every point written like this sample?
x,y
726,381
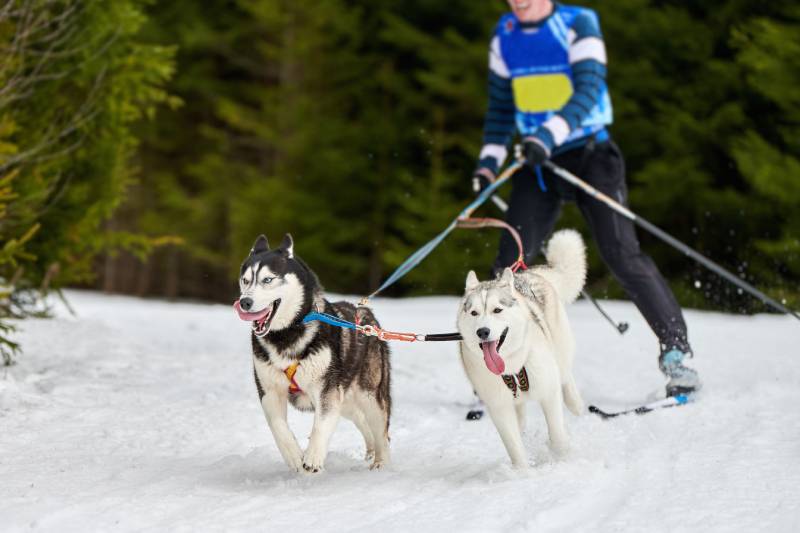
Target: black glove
x,y
534,151
480,180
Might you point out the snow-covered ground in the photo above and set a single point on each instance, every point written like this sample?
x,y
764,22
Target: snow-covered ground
x,y
142,415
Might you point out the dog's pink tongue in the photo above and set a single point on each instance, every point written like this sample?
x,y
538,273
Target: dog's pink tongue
x,y
244,315
493,361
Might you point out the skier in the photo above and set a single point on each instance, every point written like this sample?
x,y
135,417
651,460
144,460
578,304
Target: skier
x,y
547,80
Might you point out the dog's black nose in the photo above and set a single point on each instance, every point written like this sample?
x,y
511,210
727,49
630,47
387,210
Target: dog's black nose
x,y
246,303
483,333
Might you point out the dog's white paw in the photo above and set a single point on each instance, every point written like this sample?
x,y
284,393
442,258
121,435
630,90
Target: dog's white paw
x,y
560,448
381,460
295,461
521,466
377,465
313,460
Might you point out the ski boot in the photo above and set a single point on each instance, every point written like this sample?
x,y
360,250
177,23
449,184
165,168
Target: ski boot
x,y
682,379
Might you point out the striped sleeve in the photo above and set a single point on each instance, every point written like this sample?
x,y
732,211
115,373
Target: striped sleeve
x,y
587,57
499,123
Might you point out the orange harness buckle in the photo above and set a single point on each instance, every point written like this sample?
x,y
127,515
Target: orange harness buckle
x,y
294,388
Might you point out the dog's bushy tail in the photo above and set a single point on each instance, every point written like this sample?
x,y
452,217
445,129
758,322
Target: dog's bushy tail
x,y
566,256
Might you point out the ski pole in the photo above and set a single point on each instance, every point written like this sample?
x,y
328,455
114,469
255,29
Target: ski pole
x,y
669,239
621,327
500,203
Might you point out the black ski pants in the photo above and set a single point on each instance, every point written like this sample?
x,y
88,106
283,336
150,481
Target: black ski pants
x,y
533,210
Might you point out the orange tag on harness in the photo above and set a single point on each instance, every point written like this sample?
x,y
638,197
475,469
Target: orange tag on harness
x,y
294,388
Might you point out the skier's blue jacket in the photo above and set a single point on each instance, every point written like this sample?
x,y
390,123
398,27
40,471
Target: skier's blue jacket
x,y
547,80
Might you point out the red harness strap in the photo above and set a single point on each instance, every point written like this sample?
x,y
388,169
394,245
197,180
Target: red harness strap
x,y
519,264
474,223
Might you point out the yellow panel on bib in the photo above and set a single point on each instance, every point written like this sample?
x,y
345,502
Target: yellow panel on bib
x,y
542,92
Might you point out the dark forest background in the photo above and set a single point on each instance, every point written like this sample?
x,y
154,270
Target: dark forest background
x,y
144,145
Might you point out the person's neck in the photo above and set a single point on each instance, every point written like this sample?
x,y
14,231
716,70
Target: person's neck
x,y
538,10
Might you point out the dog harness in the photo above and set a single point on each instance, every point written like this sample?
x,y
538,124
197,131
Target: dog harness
x,y
290,371
517,382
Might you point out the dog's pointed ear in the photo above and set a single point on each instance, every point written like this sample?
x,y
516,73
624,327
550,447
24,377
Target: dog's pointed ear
x,y
287,245
508,277
261,245
472,280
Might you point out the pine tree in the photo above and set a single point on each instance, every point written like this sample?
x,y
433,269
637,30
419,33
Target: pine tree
x,y
768,152
73,79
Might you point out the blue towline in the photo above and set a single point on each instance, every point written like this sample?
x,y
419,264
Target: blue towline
x,y
417,257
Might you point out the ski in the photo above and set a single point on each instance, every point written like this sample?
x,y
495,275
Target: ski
x,y
671,401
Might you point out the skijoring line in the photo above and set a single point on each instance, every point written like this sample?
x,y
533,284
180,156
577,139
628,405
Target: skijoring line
x,y
417,257
463,220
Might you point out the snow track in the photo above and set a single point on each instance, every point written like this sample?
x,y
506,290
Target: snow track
x,y
141,415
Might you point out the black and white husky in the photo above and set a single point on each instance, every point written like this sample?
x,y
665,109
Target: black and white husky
x,y
314,366
518,345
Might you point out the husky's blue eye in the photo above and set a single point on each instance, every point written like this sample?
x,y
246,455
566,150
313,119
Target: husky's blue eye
x,y
497,310
267,280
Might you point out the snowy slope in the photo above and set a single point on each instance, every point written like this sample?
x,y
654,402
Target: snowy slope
x,y
142,415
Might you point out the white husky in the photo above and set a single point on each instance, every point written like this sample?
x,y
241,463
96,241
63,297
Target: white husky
x,y
518,344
